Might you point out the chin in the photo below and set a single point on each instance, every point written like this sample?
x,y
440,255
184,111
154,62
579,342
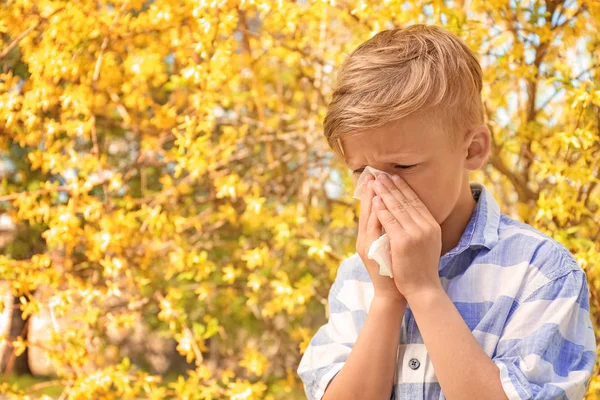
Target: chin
x,y
440,223
443,218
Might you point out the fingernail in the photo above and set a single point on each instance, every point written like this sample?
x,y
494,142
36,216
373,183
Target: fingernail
x,y
396,178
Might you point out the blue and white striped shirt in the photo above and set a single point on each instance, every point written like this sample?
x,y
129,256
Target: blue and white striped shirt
x,y
521,293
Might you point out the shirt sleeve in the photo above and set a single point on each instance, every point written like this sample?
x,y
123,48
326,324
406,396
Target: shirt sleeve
x,y
548,347
329,348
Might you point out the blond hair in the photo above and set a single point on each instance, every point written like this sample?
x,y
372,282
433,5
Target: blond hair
x,y
420,68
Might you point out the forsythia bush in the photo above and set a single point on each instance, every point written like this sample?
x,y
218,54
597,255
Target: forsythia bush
x,y
169,154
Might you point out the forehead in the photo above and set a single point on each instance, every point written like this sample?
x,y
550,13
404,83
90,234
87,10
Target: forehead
x,y
403,139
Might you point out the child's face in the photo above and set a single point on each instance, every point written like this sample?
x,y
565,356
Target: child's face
x,y
419,153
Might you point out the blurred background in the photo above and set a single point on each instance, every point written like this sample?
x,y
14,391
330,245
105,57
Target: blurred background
x,y
171,218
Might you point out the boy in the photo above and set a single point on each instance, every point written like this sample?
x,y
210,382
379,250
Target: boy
x,y
480,306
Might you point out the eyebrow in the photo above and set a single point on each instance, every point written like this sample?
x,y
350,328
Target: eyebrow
x,y
389,158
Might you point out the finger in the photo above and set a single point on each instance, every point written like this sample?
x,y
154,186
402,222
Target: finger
x,y
373,226
388,221
397,208
366,205
392,188
408,198
412,199
398,195
365,208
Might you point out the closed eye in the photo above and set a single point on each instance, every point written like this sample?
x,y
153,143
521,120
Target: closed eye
x,y
405,167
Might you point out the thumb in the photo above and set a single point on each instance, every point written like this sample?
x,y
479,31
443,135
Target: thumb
x,y
374,227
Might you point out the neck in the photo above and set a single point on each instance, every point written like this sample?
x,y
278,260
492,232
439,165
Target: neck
x,y
454,226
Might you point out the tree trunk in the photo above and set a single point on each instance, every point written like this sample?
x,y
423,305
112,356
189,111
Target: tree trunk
x,y
9,363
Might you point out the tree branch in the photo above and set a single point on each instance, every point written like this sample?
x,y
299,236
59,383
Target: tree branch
x,y
23,34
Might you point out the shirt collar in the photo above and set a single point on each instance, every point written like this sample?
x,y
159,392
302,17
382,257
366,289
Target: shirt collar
x,y
482,229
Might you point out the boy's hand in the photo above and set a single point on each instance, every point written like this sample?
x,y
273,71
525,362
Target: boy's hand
x,y
369,229
415,236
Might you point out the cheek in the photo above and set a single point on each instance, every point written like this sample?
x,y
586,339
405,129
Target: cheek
x,y
443,204
438,190
448,199
435,203
425,188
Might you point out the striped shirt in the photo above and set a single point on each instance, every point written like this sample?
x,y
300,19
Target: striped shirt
x,y
521,293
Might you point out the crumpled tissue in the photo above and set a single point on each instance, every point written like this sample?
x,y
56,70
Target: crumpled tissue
x,y
380,249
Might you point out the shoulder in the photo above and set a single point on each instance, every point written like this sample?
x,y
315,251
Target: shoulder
x,y
522,243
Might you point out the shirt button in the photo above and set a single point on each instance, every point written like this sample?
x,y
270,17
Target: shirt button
x,y
414,363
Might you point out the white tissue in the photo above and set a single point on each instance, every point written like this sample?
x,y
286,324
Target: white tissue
x,y
380,249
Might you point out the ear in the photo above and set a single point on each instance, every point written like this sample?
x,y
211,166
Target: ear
x,y
477,147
